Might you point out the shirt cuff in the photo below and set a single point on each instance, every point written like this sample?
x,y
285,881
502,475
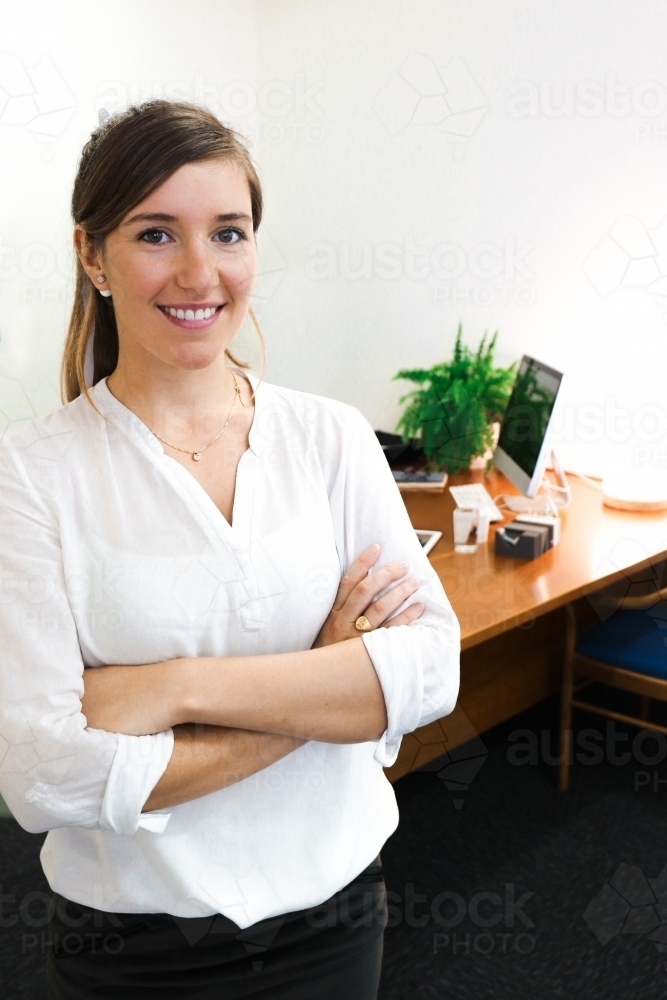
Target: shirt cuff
x,y
138,765
397,660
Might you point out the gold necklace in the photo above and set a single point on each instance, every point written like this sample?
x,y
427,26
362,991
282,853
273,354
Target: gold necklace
x,y
196,455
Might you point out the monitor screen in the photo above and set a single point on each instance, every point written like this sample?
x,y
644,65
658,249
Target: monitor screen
x,y
528,414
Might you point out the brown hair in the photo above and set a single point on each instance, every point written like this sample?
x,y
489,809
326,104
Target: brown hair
x,y
126,158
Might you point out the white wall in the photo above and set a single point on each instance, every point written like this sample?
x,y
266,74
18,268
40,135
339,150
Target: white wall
x,y
59,62
419,147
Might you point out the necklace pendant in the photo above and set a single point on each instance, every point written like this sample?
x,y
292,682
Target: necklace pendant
x,y
195,456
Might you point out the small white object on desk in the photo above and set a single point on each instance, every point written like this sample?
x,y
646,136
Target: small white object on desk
x,y
464,523
473,496
483,520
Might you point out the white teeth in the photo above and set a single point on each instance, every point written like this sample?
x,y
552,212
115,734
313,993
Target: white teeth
x,y
189,313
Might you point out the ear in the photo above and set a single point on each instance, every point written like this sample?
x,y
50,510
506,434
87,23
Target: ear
x,y
91,259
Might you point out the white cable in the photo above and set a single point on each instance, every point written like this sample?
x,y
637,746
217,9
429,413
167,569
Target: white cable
x,y
593,483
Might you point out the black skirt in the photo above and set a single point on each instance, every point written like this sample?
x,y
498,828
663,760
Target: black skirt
x,y
327,952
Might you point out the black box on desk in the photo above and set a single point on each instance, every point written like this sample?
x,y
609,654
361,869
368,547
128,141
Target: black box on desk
x,y
522,541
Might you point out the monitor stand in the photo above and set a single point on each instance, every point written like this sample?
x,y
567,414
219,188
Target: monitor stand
x,y
548,501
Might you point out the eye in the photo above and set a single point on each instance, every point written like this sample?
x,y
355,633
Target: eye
x,y
153,236
231,236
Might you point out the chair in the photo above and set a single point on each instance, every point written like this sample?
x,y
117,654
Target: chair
x,y
627,650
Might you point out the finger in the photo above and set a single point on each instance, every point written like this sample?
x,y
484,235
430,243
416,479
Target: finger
x,y
379,610
356,572
409,615
362,598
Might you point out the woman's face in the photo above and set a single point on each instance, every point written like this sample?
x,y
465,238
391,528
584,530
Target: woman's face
x,y
181,267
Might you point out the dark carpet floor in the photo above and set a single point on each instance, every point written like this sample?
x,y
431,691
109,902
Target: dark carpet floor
x,y
516,834
507,890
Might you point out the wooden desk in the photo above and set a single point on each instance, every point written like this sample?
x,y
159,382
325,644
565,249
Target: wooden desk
x,y
512,625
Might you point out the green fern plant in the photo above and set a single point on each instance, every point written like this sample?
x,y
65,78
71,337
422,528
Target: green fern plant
x,y
451,414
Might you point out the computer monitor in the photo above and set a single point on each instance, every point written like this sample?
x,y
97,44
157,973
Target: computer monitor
x,y
524,446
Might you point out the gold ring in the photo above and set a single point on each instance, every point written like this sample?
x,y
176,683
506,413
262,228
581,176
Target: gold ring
x,y
362,623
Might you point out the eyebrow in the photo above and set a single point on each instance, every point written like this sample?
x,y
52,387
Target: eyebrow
x,y
164,217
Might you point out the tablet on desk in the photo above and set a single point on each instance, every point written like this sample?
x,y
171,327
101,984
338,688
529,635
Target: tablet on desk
x,y
428,538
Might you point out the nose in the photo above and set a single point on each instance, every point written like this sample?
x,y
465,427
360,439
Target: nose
x,y
197,270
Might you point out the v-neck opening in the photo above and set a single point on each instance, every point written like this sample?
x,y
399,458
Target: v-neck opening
x,y
239,528
246,482
193,484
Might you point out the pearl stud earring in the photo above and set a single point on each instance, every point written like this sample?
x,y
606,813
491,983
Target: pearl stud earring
x,y
101,279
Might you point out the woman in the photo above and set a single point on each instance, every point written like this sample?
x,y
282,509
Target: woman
x,y
233,558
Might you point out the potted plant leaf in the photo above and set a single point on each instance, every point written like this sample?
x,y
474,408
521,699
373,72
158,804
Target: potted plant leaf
x,y
452,413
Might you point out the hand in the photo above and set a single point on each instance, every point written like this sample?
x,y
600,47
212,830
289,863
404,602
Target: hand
x,y
355,597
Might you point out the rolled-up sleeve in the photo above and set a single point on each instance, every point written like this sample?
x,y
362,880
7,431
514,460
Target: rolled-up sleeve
x,y
54,770
417,664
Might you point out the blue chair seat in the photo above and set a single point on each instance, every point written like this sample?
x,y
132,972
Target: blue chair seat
x,y
633,640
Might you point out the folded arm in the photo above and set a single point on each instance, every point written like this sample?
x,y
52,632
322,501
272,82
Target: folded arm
x,y
207,758
330,694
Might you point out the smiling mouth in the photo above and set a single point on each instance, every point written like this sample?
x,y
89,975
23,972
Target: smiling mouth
x,y
190,314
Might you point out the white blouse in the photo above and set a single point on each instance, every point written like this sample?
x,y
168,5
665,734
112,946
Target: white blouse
x,y
111,552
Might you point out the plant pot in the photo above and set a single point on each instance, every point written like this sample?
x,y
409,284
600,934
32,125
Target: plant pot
x,y
480,461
